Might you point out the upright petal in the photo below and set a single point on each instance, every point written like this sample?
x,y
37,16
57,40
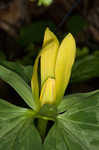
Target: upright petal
x,y
34,82
48,92
64,62
49,36
48,58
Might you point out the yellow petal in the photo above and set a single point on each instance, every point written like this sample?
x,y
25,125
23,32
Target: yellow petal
x,y
34,81
64,62
49,36
48,58
48,92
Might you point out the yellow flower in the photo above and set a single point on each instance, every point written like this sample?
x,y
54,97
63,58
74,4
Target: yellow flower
x,y
56,62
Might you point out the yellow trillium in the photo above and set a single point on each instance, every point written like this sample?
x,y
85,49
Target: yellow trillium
x,y
56,62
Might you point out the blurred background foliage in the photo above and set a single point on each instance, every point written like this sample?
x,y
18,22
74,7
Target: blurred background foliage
x,y
18,51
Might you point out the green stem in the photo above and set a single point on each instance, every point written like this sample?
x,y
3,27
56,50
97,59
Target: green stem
x,y
42,126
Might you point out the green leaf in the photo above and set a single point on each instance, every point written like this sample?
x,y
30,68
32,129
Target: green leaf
x,y
18,84
18,68
85,68
17,131
81,53
77,125
28,70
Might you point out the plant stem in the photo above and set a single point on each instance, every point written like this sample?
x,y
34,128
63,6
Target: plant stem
x,y
42,125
